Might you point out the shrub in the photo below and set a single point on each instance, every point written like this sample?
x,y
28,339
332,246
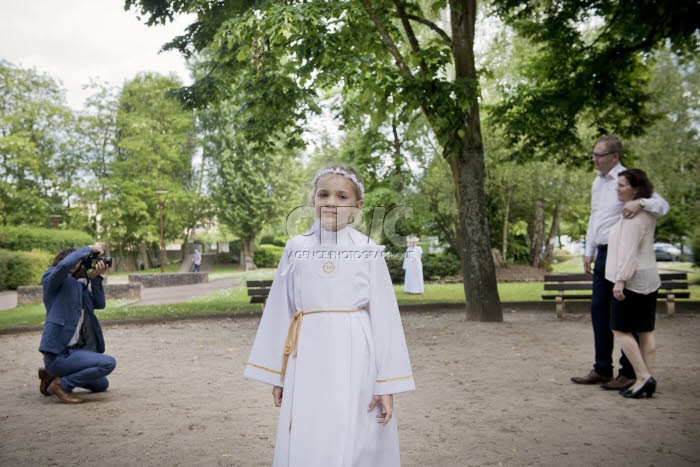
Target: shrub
x,y
268,256
33,238
695,245
267,239
272,240
435,266
4,258
519,253
224,258
441,265
234,246
396,270
25,267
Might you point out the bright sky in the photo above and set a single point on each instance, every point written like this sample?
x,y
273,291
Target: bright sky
x,y
75,40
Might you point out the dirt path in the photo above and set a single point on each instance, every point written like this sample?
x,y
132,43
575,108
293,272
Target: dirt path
x,y
488,395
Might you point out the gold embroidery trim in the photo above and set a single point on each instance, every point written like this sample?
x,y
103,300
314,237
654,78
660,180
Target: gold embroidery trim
x,y
394,379
290,345
263,368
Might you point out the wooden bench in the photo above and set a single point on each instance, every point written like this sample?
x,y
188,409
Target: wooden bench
x,y
258,291
582,283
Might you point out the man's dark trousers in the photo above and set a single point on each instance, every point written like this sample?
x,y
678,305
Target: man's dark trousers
x,y
600,316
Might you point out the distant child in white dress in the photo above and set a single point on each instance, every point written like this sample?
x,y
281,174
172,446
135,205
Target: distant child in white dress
x,y
334,376
413,265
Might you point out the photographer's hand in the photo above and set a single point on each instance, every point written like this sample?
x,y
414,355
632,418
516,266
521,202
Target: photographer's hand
x,y
98,248
100,267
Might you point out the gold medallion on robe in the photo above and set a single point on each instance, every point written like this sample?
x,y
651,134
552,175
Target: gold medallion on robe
x,y
329,267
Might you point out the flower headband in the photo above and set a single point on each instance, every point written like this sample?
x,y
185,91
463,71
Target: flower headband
x,y
344,173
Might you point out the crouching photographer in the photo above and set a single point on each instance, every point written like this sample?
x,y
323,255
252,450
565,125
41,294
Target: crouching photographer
x,y
72,341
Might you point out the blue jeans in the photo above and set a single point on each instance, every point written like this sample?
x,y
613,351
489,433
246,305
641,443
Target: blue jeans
x,y
600,317
81,368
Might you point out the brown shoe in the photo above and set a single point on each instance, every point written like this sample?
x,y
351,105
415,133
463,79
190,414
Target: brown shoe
x,y
619,383
592,377
57,390
46,379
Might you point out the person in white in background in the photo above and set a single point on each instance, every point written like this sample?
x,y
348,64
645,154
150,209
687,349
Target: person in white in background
x,y
413,265
334,377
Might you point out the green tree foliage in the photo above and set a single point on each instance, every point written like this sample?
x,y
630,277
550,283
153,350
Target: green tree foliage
x,y
252,183
394,52
541,194
154,152
35,166
436,190
590,62
670,149
96,146
35,238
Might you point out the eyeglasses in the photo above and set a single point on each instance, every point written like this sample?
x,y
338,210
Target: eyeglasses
x,y
598,156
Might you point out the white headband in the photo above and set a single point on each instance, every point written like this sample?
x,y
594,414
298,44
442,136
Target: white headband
x,y
344,173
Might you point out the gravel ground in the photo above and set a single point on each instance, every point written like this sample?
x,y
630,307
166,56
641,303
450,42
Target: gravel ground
x,y
489,394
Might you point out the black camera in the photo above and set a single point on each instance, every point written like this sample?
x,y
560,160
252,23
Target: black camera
x,y
94,258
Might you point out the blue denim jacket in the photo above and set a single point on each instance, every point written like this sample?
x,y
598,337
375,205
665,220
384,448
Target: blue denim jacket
x,y
64,296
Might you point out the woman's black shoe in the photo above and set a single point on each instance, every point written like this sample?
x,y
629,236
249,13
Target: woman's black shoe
x,y
649,388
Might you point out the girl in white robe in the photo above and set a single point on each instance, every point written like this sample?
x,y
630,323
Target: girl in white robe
x,y
413,265
331,342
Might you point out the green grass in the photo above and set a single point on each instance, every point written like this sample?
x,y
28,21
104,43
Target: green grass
x,y
229,301
236,300
454,293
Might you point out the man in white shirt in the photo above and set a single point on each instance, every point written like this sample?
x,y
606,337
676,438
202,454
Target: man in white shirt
x,y
605,212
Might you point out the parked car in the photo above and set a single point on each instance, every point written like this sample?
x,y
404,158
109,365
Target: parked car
x,y
666,252
688,253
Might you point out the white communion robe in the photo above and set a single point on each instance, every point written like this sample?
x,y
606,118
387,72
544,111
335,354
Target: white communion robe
x,y
413,264
350,347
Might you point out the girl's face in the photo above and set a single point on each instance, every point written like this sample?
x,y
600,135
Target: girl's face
x,y
625,192
335,201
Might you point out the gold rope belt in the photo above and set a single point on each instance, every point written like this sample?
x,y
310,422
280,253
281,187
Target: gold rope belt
x,y
290,346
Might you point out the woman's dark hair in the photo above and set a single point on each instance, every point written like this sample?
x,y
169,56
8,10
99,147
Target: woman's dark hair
x,y
639,181
62,254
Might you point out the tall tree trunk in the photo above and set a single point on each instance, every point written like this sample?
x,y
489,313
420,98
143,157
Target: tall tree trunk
x,y
143,257
465,154
247,254
506,217
553,232
463,150
537,234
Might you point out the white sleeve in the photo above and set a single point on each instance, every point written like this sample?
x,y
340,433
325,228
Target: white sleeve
x,y
656,205
394,373
265,361
590,245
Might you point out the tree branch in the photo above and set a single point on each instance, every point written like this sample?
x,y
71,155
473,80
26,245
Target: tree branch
x,y
415,46
432,26
386,37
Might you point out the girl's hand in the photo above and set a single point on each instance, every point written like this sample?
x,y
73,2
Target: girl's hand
x,y
277,395
386,407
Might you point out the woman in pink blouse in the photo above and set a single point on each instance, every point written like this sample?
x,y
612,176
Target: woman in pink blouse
x,y
631,266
